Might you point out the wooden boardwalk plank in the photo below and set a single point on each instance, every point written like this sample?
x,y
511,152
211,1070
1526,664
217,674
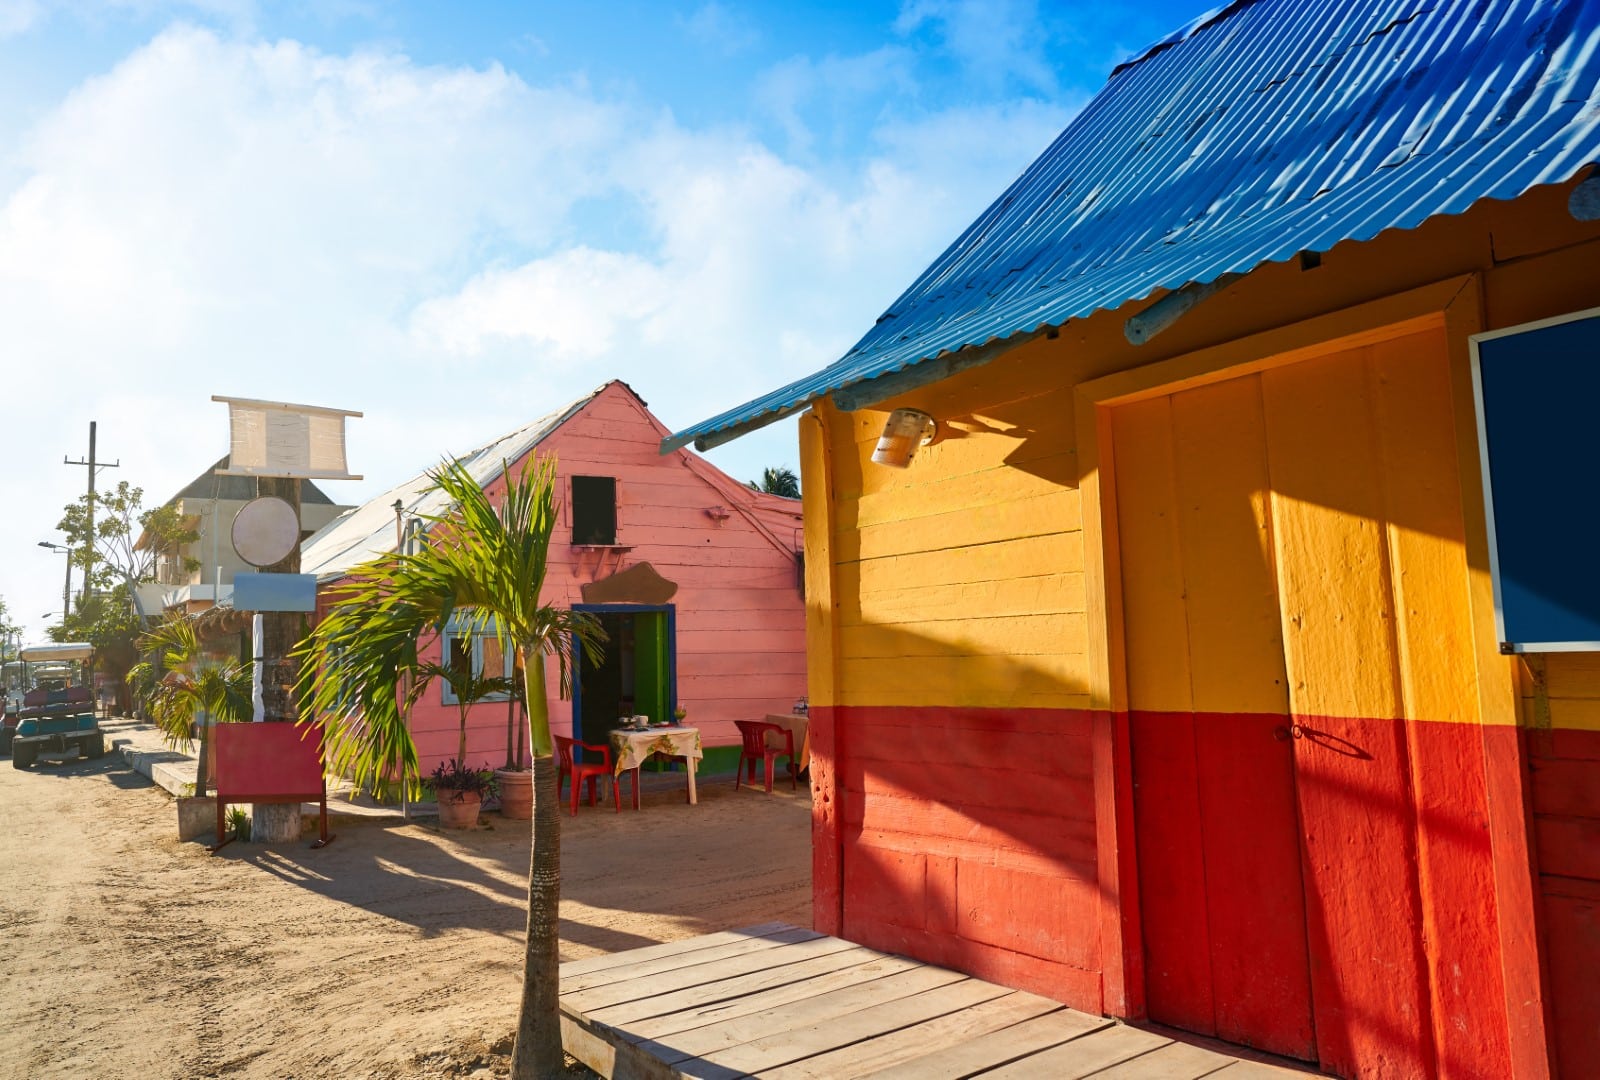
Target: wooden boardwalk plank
x,y
1239,1069
785,1003
703,1041
1175,1061
682,978
796,1043
1081,1057
999,1047
919,1040
697,1006
667,948
765,946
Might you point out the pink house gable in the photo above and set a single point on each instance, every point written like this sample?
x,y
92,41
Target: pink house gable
x,y
732,631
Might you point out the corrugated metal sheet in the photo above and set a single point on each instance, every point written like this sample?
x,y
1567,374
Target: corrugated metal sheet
x,y
369,530
1261,130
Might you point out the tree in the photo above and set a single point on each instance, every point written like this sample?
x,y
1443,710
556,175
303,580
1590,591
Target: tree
x,y
10,639
778,481
128,543
176,684
488,564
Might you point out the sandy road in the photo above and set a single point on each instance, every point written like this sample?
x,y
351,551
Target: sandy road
x,y
395,952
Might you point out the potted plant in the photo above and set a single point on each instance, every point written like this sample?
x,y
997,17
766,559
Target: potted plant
x,y
459,790
515,779
460,793
175,686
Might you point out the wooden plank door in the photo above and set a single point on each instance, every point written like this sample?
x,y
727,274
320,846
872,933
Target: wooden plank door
x,y
1216,827
1293,564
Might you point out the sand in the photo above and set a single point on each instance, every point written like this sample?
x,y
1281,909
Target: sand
x,y
395,952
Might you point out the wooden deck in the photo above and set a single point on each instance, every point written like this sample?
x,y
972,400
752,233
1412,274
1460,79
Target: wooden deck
x,y
782,1002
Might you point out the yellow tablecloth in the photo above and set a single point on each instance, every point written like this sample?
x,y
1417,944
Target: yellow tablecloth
x,y
800,727
632,748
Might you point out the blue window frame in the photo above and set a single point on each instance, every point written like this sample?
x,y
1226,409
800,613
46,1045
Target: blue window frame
x,y
466,640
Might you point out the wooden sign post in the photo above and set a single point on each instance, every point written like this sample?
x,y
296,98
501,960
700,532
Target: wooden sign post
x,y
281,445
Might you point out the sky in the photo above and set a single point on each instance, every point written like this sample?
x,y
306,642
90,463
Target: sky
x,y
455,218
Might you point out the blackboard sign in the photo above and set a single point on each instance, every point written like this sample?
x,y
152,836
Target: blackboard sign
x,y
1538,396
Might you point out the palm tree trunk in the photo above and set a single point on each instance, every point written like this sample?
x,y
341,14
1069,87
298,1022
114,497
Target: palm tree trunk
x,y
537,1053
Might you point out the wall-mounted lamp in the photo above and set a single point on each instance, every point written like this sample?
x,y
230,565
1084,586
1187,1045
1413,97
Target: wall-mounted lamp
x,y
907,430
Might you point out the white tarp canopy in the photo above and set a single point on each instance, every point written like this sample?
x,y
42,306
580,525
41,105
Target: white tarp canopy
x,y
67,650
274,438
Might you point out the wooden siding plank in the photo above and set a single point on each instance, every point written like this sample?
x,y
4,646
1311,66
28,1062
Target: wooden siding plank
x,y
998,561
1566,788
1568,847
1082,1057
975,635
921,1040
946,494
1044,591
794,1043
1002,830
998,1048
922,530
1070,858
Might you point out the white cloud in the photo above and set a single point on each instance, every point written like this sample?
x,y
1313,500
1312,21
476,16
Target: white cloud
x,y
267,220
19,16
995,41
718,27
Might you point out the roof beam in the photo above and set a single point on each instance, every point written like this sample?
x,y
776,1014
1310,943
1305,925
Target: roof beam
x,y
1584,202
871,392
1169,309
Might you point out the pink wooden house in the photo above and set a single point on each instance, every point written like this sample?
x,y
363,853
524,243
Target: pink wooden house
x,y
694,576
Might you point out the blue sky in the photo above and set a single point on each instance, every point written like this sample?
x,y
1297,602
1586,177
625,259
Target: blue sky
x,y
457,217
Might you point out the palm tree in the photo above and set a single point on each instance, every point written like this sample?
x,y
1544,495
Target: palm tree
x,y
488,565
778,481
176,684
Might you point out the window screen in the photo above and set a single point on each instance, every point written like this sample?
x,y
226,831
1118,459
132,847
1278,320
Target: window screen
x,y
475,650
1536,387
594,510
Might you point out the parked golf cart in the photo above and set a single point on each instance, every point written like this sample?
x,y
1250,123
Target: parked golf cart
x,y
56,720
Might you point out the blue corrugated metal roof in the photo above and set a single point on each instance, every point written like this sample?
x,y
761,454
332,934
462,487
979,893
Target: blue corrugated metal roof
x,y
1260,130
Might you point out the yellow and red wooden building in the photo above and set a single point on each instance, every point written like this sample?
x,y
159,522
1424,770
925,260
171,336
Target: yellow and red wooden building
x,y
1165,679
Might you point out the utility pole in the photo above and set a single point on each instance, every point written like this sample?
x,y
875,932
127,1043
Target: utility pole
x,y
88,542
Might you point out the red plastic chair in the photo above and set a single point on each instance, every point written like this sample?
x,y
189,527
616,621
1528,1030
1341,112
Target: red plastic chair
x,y
756,748
581,771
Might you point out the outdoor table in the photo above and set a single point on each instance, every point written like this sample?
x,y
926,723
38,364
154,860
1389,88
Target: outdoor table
x,y
800,728
632,748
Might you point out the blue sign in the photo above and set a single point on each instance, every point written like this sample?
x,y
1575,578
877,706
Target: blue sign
x,y
274,592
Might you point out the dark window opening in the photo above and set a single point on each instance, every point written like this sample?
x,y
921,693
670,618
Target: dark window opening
x,y
594,510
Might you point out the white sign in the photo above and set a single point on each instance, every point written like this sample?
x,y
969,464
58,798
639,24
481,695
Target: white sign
x,y
274,438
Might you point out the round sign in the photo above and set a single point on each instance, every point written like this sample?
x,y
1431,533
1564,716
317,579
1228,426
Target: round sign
x,y
265,531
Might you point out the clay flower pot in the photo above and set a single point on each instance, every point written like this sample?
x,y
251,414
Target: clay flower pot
x,y
458,809
516,793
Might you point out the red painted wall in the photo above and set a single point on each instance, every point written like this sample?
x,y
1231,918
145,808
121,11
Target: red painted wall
x,y
995,875
1566,817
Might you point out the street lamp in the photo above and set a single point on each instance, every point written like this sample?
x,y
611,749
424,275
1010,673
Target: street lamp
x,y
66,589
